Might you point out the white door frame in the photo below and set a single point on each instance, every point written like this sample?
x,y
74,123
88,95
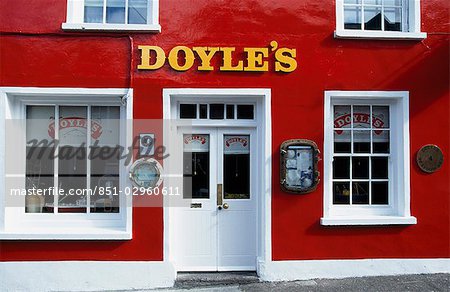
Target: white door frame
x,y
262,98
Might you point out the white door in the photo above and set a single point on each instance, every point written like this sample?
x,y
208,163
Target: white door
x,y
216,231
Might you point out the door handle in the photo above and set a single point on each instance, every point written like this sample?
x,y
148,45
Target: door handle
x,y
224,206
219,195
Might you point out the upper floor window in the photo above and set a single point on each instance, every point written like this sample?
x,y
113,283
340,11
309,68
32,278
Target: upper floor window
x,y
378,19
123,15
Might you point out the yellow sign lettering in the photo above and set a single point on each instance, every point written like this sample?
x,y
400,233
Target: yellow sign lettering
x,y
146,57
255,61
285,60
228,60
188,58
205,55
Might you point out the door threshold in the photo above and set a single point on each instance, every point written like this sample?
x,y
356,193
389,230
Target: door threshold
x,y
189,280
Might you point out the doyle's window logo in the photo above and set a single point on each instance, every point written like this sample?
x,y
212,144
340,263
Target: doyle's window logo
x,y
70,124
359,119
195,138
239,140
182,58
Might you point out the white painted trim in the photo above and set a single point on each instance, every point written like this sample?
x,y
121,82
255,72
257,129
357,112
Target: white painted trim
x,y
413,33
338,269
50,233
398,211
14,224
264,131
111,27
85,275
382,35
64,91
378,220
3,114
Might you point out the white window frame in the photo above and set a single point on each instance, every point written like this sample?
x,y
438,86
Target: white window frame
x,y
75,20
15,224
411,31
398,210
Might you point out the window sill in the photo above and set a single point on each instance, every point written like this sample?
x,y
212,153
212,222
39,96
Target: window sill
x,y
111,27
373,220
382,35
67,234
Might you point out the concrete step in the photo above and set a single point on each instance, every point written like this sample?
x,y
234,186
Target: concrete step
x,y
196,280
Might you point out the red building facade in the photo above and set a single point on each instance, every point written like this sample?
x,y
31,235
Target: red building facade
x,y
333,61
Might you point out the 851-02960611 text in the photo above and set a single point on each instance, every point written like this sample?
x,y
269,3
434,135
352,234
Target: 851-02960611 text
x,y
98,191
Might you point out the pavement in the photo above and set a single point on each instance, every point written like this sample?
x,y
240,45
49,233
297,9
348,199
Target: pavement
x,y
229,282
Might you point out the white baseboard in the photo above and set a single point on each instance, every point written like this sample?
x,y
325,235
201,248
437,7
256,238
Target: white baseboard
x,y
114,275
336,269
85,275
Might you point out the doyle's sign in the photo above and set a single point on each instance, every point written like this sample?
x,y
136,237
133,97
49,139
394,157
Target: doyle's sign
x,y
182,58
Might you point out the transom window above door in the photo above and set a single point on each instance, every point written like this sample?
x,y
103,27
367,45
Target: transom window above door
x,y
128,15
216,111
378,19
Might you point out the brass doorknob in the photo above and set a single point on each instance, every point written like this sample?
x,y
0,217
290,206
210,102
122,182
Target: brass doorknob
x,y
226,206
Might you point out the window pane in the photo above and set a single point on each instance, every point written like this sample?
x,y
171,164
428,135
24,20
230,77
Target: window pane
x,y
360,167
393,2
380,192
188,111
216,111
115,11
393,19
342,117
361,141
196,166
93,11
40,162
245,111
341,167
352,17
341,193
104,156
380,141
236,168
352,1
342,141
230,111
379,167
361,117
373,2
137,11
72,157
203,111
372,18
380,116
360,193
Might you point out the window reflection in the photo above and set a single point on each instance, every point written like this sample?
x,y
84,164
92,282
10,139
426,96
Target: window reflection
x,y
196,166
236,167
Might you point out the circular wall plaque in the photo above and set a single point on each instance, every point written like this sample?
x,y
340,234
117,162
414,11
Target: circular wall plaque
x,y
430,158
146,173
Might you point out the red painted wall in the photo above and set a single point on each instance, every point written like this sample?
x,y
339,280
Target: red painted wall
x,y
34,51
